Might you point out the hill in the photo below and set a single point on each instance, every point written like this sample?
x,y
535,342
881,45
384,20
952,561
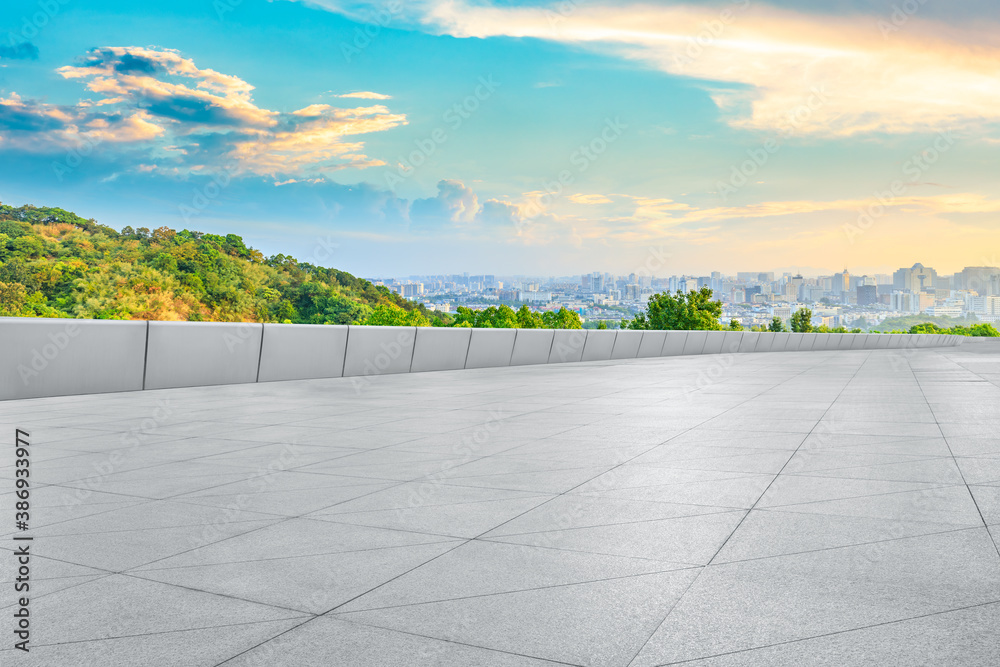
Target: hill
x,y
53,263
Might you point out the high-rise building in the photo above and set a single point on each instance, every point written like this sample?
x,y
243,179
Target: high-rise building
x,y
979,279
867,295
841,282
917,278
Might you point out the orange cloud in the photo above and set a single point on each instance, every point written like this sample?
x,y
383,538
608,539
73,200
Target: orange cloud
x,y
798,74
194,120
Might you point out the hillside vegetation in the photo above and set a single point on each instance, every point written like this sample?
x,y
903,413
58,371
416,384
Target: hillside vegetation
x,y
54,263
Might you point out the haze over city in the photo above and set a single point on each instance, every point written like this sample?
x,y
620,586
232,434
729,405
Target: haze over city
x,y
436,137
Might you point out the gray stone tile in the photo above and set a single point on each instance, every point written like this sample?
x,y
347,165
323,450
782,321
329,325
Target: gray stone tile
x,y
797,489
636,460
731,492
580,511
310,584
766,533
294,537
939,504
466,520
739,606
122,550
962,637
691,539
594,623
143,607
481,568
316,643
192,648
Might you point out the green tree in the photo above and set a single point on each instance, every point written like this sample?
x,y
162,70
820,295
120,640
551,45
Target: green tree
x,y
776,325
802,320
526,319
694,310
735,325
388,315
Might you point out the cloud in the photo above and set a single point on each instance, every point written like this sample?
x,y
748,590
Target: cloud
x,y
769,69
21,51
589,200
192,120
454,202
364,95
501,213
38,127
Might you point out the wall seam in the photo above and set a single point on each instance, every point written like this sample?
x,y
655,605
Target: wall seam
x,y
260,352
347,341
513,345
465,364
413,348
145,358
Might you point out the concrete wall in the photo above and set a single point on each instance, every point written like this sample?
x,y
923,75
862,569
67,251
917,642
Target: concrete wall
x,y
55,357
440,349
489,348
598,345
379,350
302,352
185,354
652,344
567,345
627,344
532,346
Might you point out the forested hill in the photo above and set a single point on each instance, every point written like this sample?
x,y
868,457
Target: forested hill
x,y
54,263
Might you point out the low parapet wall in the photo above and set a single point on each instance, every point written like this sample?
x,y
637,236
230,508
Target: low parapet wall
x,y
58,357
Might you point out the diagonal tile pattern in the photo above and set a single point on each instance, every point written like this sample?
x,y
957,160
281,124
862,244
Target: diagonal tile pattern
x,y
828,508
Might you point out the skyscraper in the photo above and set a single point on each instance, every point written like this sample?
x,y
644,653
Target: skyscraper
x,y
914,279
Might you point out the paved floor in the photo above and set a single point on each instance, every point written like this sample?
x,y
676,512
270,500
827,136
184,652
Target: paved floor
x,y
830,508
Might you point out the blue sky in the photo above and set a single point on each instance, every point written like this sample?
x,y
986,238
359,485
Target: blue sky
x,y
549,138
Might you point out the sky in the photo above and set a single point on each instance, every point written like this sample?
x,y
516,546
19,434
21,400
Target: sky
x,y
444,136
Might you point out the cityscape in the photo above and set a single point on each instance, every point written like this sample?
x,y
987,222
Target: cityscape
x,y
751,298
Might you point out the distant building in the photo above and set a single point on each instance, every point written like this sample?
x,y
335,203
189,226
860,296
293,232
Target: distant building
x,y
917,278
842,282
980,279
867,295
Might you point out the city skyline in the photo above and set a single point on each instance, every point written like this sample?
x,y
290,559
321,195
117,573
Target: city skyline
x,y
528,137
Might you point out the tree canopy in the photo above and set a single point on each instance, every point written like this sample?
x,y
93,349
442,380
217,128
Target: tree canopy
x,y
694,310
802,320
